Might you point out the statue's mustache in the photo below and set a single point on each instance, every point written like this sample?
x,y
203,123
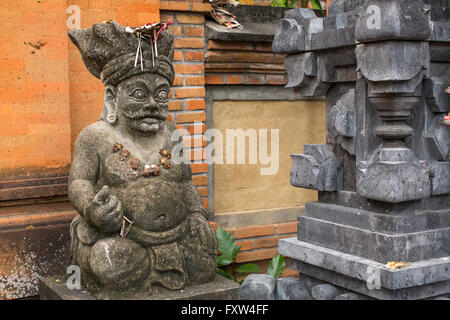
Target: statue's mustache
x,y
139,114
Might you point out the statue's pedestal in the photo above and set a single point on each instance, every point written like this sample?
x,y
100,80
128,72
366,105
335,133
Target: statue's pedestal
x,y
55,288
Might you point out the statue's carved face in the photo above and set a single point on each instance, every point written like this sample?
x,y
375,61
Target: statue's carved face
x,y
141,103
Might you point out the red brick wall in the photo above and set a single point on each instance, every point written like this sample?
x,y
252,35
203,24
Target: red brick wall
x,y
188,92
34,87
48,96
230,62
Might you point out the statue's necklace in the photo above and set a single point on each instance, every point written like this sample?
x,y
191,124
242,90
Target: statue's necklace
x,y
134,163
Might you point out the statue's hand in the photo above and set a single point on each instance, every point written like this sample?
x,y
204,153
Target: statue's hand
x,y
200,226
105,212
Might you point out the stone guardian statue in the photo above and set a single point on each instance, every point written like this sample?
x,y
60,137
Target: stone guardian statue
x,y
141,222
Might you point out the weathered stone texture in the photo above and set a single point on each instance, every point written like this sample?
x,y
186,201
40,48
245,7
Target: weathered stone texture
x,y
383,177
317,169
55,288
258,287
141,221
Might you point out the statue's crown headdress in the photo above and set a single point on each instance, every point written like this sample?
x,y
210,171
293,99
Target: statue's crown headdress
x,y
113,53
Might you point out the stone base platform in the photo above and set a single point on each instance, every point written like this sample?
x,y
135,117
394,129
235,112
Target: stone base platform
x,y
54,288
426,279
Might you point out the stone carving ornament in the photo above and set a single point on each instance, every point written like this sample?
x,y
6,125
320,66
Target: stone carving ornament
x,y
141,222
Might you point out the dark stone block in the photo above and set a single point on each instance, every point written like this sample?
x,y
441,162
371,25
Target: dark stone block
x,y
378,222
350,296
432,205
440,178
258,287
401,19
421,280
292,289
381,247
317,169
324,292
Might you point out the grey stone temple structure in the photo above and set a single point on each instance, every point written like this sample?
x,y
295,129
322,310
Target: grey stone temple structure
x,y
384,174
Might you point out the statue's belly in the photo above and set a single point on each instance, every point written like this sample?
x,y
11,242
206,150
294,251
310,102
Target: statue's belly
x,y
153,203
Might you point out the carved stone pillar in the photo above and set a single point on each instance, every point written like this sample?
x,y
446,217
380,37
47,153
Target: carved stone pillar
x,y
384,175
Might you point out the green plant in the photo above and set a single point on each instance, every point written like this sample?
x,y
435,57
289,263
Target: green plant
x,y
228,251
290,3
276,266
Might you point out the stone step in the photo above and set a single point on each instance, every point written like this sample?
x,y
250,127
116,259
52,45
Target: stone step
x,y
377,246
420,280
378,222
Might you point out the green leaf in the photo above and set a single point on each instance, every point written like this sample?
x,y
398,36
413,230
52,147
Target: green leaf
x,y
278,3
227,274
248,268
276,266
223,261
235,252
316,4
227,244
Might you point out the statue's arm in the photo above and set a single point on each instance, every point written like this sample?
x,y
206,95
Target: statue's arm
x,y
83,173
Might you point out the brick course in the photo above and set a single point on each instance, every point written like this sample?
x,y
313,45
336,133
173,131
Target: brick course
x,y
188,102
231,63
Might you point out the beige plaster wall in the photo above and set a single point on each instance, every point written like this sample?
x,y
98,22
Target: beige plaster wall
x,y
241,187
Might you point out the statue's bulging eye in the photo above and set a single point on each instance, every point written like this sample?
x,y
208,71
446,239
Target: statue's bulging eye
x,y
139,94
162,95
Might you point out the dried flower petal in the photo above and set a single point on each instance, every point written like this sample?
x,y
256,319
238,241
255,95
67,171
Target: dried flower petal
x,y
117,147
165,153
398,265
133,163
124,154
154,170
165,163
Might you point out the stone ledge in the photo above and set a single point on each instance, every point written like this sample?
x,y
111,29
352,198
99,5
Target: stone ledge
x,y
254,93
424,292
358,216
377,246
253,32
418,274
54,288
259,24
258,217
